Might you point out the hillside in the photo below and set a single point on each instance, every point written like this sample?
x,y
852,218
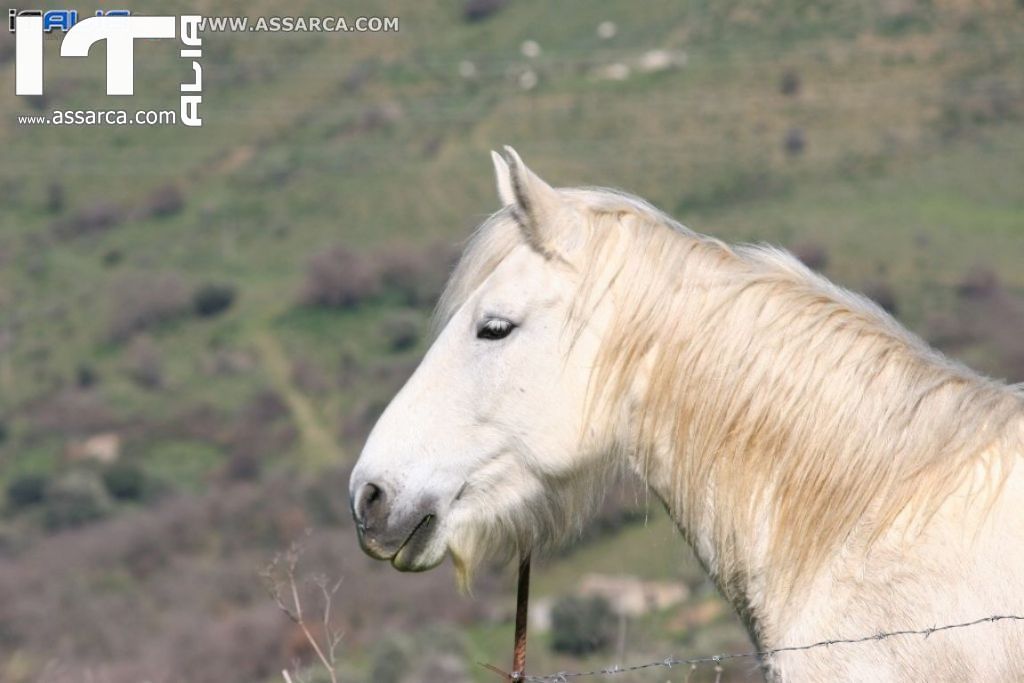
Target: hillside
x,y
235,304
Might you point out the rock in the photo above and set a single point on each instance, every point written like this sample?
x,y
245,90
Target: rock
x,y
104,448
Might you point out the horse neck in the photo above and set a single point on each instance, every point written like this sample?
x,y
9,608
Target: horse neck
x,y
779,418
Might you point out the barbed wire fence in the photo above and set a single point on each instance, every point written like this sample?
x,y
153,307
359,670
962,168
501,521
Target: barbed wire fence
x,y
717,661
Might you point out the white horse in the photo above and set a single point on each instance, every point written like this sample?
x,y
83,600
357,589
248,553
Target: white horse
x,y
835,475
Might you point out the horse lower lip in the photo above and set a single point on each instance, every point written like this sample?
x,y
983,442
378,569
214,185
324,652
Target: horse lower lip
x,y
419,535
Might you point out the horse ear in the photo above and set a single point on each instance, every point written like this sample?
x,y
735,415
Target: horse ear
x,y
537,206
503,177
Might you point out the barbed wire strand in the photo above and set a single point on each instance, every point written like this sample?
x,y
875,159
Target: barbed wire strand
x,y
718,660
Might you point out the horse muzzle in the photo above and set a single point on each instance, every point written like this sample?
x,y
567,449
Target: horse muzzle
x,y
400,536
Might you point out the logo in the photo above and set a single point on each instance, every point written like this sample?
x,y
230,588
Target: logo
x,y
63,19
120,32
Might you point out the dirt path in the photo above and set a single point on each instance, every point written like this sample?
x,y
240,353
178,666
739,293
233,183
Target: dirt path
x,y
319,448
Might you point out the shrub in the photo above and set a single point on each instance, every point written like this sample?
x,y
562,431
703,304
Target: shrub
x,y
72,412
124,481
39,102
949,331
812,255
94,219
789,84
358,77
478,10
265,407
55,197
164,201
212,299
26,490
112,257
7,50
142,301
899,18
416,274
580,626
243,465
339,278
378,116
76,499
883,295
390,662
85,376
979,283
401,331
1014,365
794,142
977,101
143,364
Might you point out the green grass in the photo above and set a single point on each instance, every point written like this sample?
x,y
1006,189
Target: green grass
x,y
921,225
184,464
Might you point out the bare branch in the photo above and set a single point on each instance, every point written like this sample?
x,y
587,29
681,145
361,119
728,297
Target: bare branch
x,y
286,565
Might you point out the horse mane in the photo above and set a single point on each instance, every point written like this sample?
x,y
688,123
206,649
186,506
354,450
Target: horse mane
x,y
782,401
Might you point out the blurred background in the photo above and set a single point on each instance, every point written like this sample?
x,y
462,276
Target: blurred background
x,y
198,327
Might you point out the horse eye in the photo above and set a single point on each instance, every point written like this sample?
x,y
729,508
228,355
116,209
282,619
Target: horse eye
x,y
495,328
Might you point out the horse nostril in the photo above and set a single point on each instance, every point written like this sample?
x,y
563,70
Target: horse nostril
x,y
374,495
371,506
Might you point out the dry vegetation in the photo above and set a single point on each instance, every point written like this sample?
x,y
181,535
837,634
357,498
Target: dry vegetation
x,y
145,300
138,589
988,315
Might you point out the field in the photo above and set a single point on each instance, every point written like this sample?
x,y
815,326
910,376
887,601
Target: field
x,y
234,305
